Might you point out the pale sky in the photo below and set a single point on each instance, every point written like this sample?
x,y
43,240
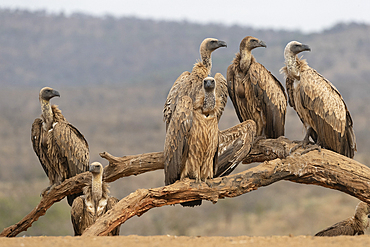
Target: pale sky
x,y
306,16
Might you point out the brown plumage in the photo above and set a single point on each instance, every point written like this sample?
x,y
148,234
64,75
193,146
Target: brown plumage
x,y
191,143
318,104
94,202
234,144
190,84
351,226
62,150
256,94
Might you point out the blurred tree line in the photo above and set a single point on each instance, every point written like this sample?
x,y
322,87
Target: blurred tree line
x,y
114,75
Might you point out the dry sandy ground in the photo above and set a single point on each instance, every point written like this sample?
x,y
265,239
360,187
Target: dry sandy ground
x,y
172,241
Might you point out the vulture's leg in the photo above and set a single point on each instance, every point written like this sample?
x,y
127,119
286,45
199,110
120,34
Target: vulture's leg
x,y
306,144
47,190
257,139
316,146
311,148
302,143
208,183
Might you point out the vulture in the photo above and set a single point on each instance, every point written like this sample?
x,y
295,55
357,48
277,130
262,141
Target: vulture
x,y
190,84
191,144
94,202
351,226
62,150
318,104
256,94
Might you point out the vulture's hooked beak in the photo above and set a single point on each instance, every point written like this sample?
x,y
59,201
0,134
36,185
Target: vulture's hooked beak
x,y
55,93
262,44
222,43
305,48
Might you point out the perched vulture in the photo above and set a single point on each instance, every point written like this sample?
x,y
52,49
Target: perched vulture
x,y
318,104
62,150
190,84
256,94
351,226
94,202
191,144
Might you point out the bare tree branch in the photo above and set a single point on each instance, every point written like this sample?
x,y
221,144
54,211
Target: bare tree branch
x,y
68,187
325,168
117,168
131,165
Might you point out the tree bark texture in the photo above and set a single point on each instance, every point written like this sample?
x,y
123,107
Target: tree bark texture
x,y
325,168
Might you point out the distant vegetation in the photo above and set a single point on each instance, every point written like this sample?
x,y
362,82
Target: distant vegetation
x,y
114,75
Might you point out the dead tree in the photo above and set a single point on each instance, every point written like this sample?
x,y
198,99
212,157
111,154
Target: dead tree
x,y
325,168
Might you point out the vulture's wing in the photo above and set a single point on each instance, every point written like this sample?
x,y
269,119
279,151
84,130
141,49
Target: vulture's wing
x,y
173,96
328,111
221,94
270,97
176,144
234,84
77,211
36,138
234,144
341,228
110,204
71,145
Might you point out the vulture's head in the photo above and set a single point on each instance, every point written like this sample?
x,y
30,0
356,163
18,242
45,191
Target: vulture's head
x,y
209,84
96,168
294,47
249,43
211,44
362,210
47,93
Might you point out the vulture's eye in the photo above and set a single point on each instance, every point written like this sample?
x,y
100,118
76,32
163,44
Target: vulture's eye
x,y
253,40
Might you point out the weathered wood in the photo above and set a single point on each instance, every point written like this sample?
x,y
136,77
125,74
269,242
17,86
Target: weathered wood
x,y
131,165
262,150
325,168
118,167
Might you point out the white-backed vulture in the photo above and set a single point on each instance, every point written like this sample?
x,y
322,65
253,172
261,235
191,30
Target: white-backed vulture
x,y
94,202
318,104
256,94
62,150
190,84
191,145
351,226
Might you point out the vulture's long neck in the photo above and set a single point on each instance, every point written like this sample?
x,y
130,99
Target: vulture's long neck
x,y
206,57
47,114
361,217
246,58
96,189
292,65
209,102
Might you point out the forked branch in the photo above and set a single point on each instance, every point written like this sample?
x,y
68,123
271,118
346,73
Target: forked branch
x,y
324,168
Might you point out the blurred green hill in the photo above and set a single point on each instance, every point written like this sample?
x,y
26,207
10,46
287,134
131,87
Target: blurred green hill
x,y
114,75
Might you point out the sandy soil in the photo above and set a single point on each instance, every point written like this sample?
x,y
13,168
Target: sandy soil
x,y
172,241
